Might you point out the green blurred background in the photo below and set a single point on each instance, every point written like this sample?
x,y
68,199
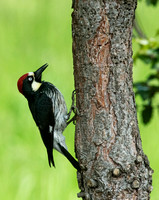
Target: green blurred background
x,y
32,33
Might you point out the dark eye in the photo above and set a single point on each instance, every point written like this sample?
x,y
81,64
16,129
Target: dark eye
x,y
30,78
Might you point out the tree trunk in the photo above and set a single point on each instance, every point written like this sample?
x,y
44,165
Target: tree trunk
x,y
108,143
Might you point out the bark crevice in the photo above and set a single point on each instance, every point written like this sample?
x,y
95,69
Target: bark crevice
x,y
107,133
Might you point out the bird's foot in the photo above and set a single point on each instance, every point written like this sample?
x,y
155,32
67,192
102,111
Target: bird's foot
x,y
73,109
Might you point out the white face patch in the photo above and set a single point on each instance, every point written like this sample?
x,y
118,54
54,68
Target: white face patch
x,y
31,74
35,85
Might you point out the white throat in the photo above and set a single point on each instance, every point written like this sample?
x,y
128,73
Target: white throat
x,y
35,85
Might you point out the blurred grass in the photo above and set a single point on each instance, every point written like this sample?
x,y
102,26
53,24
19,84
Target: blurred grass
x,y
33,33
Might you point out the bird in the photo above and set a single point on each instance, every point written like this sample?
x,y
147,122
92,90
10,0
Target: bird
x,y
49,111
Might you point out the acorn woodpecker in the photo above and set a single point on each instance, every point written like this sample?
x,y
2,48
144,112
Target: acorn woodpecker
x,y
49,111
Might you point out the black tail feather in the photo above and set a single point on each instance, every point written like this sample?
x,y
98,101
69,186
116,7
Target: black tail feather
x,y
70,158
50,158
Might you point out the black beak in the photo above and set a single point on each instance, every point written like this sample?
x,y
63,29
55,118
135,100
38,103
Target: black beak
x,y
38,72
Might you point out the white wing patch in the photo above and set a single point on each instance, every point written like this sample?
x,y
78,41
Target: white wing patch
x,y
50,129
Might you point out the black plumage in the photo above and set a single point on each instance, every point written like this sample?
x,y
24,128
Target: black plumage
x,y
49,112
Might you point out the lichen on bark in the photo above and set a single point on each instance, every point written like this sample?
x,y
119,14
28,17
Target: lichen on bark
x,y
107,133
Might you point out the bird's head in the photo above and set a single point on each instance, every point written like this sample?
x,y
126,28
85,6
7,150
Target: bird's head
x,y
31,82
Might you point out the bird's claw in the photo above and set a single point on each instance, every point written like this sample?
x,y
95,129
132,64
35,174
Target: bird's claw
x,y
74,109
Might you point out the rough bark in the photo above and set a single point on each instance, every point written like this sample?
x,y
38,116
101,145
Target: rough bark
x,y
108,143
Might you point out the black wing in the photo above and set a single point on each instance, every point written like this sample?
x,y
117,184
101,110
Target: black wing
x,y
44,118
